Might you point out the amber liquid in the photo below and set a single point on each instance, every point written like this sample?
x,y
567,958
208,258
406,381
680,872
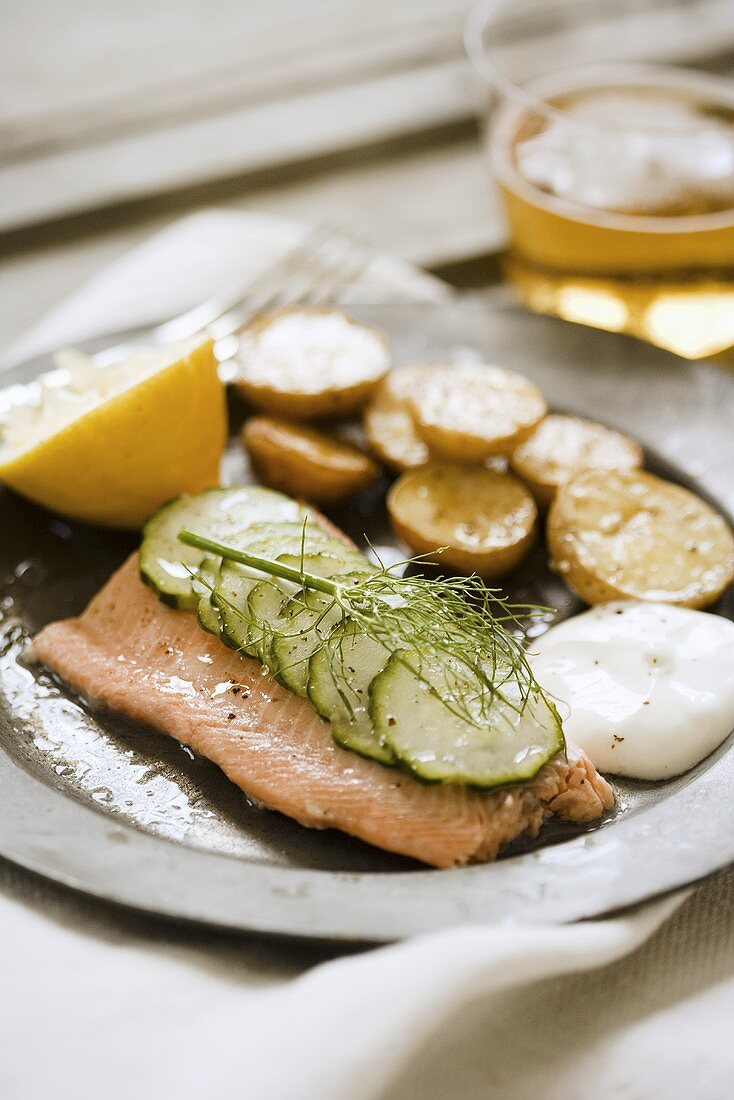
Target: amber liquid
x,y
631,231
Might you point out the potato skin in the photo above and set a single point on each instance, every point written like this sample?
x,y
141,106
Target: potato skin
x,y
485,519
328,405
563,446
309,363
306,463
631,535
468,413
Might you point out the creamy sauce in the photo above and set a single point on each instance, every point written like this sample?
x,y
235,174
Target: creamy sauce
x,y
646,689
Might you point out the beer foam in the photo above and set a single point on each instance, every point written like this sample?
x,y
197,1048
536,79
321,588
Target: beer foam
x,y
630,150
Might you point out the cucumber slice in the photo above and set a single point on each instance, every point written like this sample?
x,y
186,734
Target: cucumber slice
x,y
209,617
306,620
267,601
509,744
265,606
203,586
339,678
203,580
236,582
260,537
217,512
231,599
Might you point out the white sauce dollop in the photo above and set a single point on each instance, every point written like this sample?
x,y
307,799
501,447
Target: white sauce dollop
x,y
647,690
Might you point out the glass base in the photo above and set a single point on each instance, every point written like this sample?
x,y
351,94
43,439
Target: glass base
x,y
692,317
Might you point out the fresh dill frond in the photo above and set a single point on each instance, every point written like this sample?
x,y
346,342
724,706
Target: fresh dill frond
x,y
457,625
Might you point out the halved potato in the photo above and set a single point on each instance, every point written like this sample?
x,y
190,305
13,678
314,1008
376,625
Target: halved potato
x,y
467,413
306,463
485,519
615,535
388,423
309,362
563,446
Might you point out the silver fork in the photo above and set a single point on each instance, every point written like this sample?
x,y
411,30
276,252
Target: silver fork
x,y
311,273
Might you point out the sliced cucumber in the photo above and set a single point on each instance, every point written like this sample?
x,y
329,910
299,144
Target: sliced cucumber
x,y
339,678
306,620
507,743
267,601
204,581
265,606
165,563
231,596
236,582
330,559
262,538
208,617
203,586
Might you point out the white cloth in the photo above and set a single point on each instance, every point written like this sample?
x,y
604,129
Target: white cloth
x,y
193,258
98,1002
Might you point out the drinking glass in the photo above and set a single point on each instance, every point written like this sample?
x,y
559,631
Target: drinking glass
x,y
614,157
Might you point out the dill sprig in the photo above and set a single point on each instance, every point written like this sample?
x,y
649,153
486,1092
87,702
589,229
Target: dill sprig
x,y
455,633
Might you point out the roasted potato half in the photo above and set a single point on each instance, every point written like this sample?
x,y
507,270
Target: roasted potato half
x,y
306,463
616,535
388,423
484,519
309,363
563,446
468,413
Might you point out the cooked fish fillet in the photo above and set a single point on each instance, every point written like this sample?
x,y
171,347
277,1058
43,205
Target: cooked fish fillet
x,y
130,653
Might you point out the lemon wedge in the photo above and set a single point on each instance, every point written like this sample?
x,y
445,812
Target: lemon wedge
x,y
109,445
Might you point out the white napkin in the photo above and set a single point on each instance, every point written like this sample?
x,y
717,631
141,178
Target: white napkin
x,y
150,1019
186,263
96,1002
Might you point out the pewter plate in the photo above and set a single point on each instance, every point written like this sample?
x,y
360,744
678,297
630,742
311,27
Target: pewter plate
x,y
122,813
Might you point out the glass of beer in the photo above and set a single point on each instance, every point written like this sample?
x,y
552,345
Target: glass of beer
x,y
614,157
